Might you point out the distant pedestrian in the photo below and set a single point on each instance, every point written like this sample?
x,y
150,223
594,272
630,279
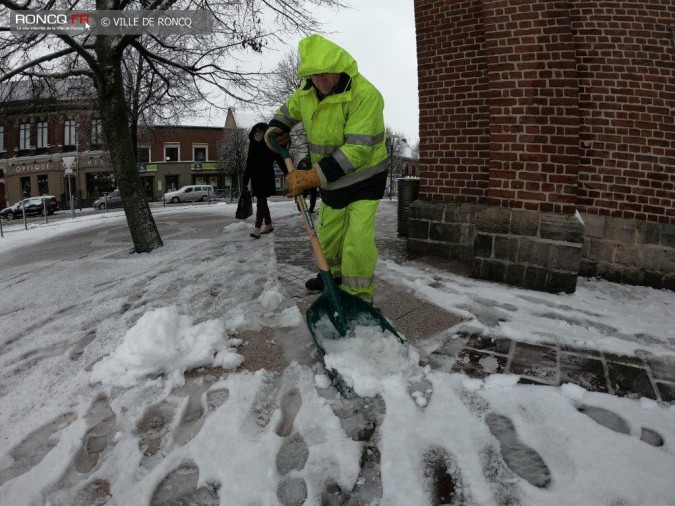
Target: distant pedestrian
x,y
260,173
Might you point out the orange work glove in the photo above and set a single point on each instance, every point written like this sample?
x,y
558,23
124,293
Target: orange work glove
x,y
299,180
281,137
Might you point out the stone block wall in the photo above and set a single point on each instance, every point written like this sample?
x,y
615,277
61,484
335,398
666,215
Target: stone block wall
x,y
532,249
631,251
556,108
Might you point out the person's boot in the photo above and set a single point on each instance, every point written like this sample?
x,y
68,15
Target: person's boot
x,y
316,284
256,233
267,229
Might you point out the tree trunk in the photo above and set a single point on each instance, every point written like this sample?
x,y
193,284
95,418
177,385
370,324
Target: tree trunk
x,y
115,123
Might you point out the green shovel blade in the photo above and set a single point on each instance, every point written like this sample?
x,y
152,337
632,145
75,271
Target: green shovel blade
x,y
335,314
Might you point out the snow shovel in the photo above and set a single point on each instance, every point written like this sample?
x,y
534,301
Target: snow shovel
x,y
335,313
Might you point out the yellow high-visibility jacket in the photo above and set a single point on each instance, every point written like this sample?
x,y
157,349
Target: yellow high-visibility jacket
x,y
345,130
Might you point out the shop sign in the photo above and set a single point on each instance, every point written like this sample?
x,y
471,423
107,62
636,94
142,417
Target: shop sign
x,y
147,167
49,166
204,166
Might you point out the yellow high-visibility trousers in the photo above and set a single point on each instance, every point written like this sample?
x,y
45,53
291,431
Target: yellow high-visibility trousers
x,y
347,237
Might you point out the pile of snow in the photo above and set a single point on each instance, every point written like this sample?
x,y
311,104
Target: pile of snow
x,y
164,341
367,359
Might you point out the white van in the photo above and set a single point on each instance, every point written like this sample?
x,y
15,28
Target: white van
x,y
190,193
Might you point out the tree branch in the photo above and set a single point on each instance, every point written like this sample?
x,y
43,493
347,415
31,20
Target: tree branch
x,y
35,62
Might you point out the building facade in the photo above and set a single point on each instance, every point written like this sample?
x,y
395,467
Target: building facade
x,y
55,146
547,139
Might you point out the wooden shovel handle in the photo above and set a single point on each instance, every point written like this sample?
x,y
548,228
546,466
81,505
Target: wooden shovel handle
x,y
309,224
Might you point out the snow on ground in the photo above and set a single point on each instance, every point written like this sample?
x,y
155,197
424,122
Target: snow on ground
x,y
98,402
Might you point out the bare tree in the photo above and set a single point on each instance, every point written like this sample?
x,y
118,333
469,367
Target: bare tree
x,y
274,91
155,97
205,59
415,150
233,152
396,146
282,81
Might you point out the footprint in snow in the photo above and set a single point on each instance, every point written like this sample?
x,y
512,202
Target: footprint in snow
x,y
501,479
293,454
420,389
443,478
359,417
94,493
292,491
368,486
193,415
34,447
616,423
100,436
78,349
289,403
520,458
180,487
154,427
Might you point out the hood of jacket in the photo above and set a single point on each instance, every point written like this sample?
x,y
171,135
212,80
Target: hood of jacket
x,y
261,125
319,55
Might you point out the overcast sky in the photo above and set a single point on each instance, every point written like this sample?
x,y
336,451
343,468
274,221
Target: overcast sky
x,y
381,37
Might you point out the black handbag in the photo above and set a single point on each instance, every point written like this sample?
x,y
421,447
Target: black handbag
x,y
245,206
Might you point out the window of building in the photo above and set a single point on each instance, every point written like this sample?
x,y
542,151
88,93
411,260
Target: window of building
x,y
69,133
171,152
2,138
200,152
24,136
42,137
96,132
99,183
43,184
143,154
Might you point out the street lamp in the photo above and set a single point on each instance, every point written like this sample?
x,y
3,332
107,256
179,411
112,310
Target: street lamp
x,y
394,141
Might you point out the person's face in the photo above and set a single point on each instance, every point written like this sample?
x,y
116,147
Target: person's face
x,y
258,135
325,83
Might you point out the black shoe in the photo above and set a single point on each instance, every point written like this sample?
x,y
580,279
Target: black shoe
x,y
316,284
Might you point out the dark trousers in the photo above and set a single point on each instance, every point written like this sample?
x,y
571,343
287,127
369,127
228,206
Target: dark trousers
x,y
262,212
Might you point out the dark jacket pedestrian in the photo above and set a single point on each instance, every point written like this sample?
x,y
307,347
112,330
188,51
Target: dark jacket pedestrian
x,y
260,173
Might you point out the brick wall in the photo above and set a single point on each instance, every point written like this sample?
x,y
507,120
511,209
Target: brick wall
x,y
625,61
185,137
553,108
534,115
454,113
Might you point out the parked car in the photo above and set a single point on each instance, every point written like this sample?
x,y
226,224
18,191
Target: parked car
x,y
33,206
112,199
191,193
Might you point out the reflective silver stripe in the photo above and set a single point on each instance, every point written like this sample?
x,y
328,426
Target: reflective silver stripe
x,y
342,160
285,117
364,140
323,150
358,176
354,282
